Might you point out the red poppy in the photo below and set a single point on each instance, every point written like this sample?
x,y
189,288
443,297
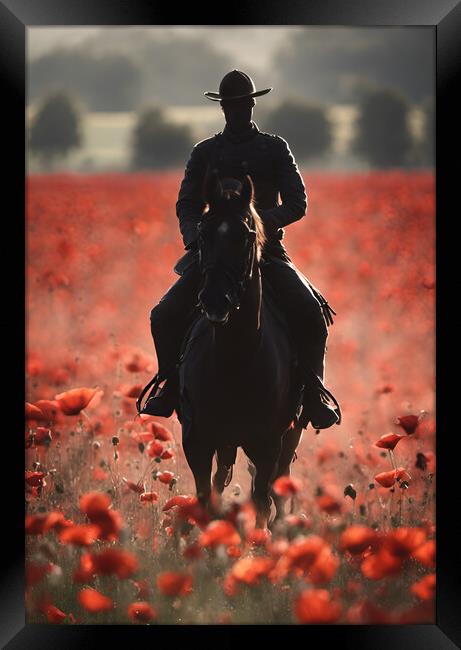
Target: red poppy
x,y
94,504
386,479
73,401
139,488
328,504
402,476
54,615
388,440
41,437
84,535
316,606
113,561
324,567
148,497
179,500
93,601
137,362
35,479
33,412
250,569
174,584
381,564
86,569
165,477
159,431
404,540
286,486
56,521
154,449
141,612
131,391
219,532
192,552
424,588
303,552
356,539
96,507
167,454
49,408
409,423
425,553
259,536
35,524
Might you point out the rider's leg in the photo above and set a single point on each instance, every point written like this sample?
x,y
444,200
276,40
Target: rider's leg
x,y
309,327
169,320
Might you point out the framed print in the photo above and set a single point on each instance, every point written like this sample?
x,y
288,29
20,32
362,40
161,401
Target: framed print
x,y
236,261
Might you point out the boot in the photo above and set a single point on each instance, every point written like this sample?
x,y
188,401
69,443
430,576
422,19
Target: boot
x,y
162,401
317,407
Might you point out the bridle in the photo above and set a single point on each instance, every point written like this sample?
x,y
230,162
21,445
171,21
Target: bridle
x,y
209,261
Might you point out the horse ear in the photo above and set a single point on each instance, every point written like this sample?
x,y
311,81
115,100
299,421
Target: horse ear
x,y
212,190
247,190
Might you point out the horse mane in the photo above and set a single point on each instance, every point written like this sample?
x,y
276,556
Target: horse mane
x,y
258,225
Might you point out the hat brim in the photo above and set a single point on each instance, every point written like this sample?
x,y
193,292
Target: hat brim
x,y
216,97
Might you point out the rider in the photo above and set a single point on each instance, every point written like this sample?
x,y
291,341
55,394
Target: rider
x,y
241,148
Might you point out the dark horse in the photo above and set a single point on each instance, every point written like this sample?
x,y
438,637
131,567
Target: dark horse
x,y
238,378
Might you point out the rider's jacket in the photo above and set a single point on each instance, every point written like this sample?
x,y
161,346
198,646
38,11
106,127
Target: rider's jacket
x,y
269,162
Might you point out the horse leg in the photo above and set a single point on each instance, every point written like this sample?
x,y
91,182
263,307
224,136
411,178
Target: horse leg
x,y
265,462
225,459
200,461
290,442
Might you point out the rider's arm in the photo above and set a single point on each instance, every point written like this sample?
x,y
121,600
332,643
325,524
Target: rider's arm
x,y
190,204
291,188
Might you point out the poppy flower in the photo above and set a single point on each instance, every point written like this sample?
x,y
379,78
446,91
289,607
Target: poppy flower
x,y
94,504
250,569
41,437
113,561
386,479
303,552
50,409
424,588
328,504
409,423
160,432
425,554
141,612
174,584
259,536
148,497
404,540
381,564
402,476
192,552
324,567
154,449
388,441
73,401
356,539
179,500
93,601
165,477
33,413
316,606
139,488
35,479
56,521
35,524
219,532
286,486
54,614
137,362
83,535
167,454
86,569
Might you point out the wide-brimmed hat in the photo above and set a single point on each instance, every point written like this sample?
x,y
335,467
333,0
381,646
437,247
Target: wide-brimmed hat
x,y
236,85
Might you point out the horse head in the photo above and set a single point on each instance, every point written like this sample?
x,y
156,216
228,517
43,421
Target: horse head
x,y
230,240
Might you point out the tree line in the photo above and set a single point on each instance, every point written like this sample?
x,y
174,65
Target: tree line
x,y
382,138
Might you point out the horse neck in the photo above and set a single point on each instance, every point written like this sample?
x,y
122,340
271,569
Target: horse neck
x,y
243,331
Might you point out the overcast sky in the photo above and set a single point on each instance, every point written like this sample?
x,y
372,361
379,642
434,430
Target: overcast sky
x,y
255,44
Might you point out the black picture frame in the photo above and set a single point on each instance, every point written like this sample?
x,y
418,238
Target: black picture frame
x,y
17,15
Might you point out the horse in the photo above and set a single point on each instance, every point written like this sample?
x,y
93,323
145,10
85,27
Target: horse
x,y
238,379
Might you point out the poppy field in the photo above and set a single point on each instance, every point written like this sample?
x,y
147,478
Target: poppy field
x,y
114,534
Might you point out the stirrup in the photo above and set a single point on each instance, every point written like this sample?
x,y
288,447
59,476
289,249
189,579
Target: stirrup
x,y
326,393
156,381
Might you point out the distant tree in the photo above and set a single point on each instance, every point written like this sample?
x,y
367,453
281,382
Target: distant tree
x,y
159,143
304,125
383,136
56,127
